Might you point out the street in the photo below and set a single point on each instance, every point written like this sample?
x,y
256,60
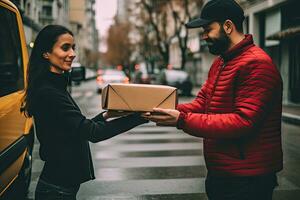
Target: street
x,y
150,162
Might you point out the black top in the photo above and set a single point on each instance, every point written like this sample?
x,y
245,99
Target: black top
x,y
63,132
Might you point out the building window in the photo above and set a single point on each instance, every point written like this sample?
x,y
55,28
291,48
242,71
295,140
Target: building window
x,y
27,9
47,11
272,25
294,70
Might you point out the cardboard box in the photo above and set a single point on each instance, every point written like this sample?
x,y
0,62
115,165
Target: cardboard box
x,y
138,97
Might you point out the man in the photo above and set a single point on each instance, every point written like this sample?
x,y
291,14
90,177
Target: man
x,y
237,111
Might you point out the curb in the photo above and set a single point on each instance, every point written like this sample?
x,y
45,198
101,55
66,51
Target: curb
x,y
291,118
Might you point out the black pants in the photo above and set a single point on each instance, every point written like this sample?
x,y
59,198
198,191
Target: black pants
x,y
240,188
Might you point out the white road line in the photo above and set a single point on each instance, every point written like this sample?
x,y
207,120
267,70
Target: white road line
x,y
149,162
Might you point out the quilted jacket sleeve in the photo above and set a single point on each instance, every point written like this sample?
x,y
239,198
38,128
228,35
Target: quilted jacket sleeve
x,y
258,88
196,106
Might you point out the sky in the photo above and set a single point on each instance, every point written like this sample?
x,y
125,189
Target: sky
x,y
105,11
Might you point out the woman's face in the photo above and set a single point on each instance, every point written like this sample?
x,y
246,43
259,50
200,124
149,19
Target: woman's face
x,y
62,54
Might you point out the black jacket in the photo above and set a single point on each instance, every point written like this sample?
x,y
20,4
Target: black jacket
x,y
63,132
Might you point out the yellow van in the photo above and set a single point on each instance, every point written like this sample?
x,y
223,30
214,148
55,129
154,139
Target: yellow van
x,y
16,131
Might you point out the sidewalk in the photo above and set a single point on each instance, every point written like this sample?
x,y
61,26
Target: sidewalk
x,y
290,113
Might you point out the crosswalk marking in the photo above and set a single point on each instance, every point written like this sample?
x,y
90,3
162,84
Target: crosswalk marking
x,y
142,187
149,136
150,161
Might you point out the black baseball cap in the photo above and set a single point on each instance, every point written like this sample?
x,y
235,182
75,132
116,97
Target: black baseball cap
x,y
218,10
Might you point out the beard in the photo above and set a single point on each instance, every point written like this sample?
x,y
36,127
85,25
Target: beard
x,y
220,45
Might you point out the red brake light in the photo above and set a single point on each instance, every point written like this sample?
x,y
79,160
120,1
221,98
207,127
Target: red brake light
x,y
100,80
126,80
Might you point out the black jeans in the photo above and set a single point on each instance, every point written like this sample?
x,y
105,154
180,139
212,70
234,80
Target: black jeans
x,y
48,191
240,188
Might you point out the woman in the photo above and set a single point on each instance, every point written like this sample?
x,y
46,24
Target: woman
x,y
62,130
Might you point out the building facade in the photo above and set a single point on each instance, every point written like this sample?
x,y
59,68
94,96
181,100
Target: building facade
x,y
83,25
54,12
30,11
275,25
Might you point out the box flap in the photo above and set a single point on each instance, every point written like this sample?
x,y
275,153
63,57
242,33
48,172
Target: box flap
x,y
116,101
165,104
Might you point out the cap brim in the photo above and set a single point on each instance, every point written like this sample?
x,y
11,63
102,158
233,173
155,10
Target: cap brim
x,y
196,23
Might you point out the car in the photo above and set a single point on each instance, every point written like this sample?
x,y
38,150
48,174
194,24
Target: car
x,y
176,78
17,131
75,68
89,73
110,76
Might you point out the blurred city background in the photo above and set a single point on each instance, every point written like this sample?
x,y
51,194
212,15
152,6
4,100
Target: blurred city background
x,y
150,36
145,41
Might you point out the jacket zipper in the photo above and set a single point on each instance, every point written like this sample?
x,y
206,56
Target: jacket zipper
x,y
215,85
240,141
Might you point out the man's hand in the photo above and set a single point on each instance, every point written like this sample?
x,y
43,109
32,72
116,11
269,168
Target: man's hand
x,y
163,117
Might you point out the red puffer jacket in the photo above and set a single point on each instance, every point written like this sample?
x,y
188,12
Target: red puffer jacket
x,y
238,113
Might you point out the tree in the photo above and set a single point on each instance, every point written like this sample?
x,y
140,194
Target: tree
x,y
157,19
158,16
119,48
180,18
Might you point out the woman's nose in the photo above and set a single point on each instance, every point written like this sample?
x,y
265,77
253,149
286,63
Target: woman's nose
x,y
72,53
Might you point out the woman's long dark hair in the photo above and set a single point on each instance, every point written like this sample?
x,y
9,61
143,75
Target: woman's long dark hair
x,y
38,66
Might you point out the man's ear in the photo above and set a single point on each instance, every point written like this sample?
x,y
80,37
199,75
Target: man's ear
x,y
228,26
46,55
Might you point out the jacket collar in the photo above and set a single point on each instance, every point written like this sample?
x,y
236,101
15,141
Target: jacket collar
x,y
59,81
239,48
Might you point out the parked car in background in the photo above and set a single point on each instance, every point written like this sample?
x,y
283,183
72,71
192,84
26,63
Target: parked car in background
x,y
16,131
176,78
88,73
110,76
76,66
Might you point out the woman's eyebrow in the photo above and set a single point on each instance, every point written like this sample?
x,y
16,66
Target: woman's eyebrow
x,y
66,43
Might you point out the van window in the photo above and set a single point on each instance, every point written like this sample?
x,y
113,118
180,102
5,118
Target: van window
x,y
11,63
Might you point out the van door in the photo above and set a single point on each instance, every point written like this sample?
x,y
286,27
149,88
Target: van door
x,y
13,57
